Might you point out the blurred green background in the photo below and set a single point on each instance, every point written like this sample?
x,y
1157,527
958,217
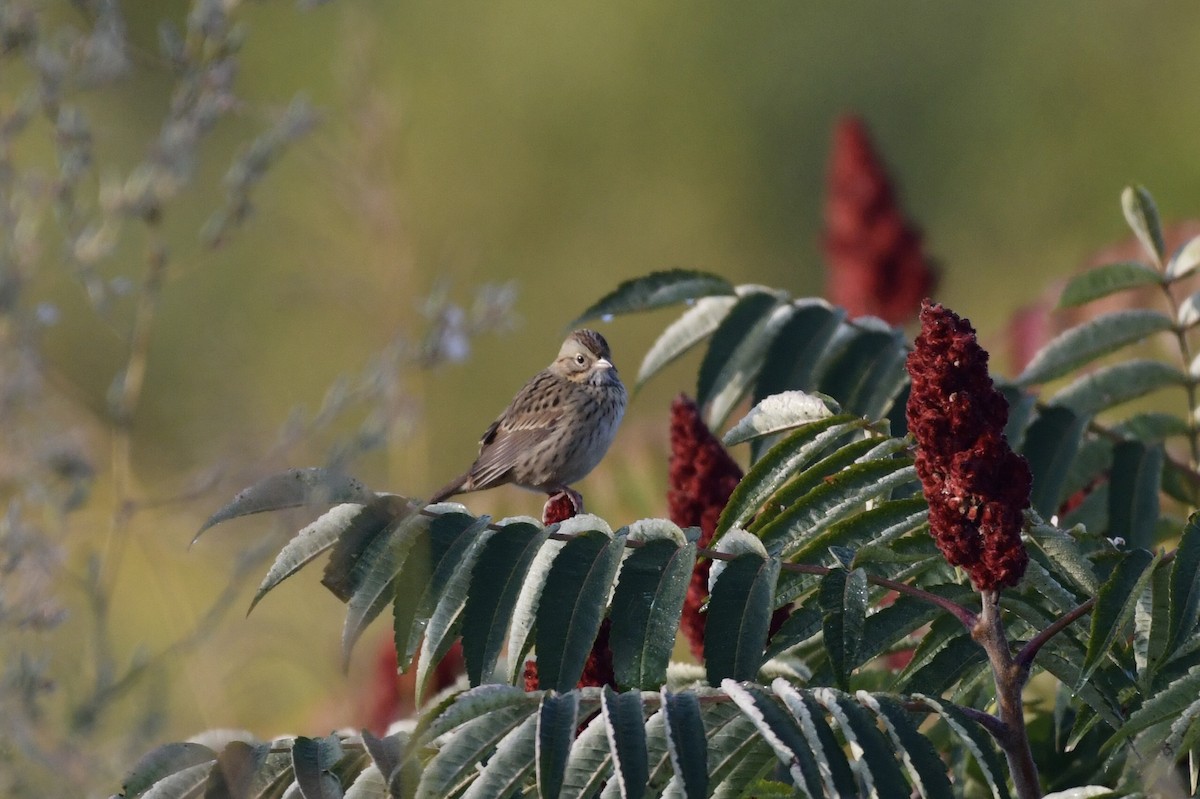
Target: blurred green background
x,y
567,147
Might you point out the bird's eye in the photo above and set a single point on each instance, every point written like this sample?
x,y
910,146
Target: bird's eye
x,y
579,359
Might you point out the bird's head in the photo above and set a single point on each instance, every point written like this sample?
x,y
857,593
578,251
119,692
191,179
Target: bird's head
x,y
585,358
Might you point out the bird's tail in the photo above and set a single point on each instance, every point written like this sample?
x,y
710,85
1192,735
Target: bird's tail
x,y
455,486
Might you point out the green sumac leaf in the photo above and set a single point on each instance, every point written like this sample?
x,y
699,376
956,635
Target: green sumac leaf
x,y
590,762
739,614
557,717
163,761
1105,280
625,724
495,584
355,551
294,488
646,607
656,290
313,760
782,462
509,766
696,324
752,309
797,350
921,759
1113,385
1050,446
836,772
1115,605
1167,704
778,412
1133,493
881,775
737,372
444,567
844,609
579,582
1185,261
323,534
1083,344
1184,586
780,729
1142,217
803,623
378,586
686,742
976,740
835,498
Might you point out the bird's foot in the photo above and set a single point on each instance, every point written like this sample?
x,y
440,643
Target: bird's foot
x,y
562,504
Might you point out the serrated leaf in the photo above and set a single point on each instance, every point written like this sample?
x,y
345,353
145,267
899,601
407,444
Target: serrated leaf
x,y
784,460
1152,426
802,624
507,769
834,769
446,619
454,545
797,349
844,610
881,773
1184,586
1083,344
752,309
579,581
1167,704
1133,491
369,784
809,478
236,770
834,499
739,613
590,762
360,543
851,371
646,608
696,324
625,725
163,761
742,352
953,663
976,741
870,531
1061,549
1050,447
921,760
469,705
320,536
495,584
779,412
1105,280
1185,261
1113,385
292,489
313,760
557,717
183,783
378,586
1115,605
456,761
780,730
1142,217
656,290
686,741
1189,311
386,753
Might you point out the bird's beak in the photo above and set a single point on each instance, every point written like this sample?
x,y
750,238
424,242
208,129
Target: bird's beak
x,y
604,363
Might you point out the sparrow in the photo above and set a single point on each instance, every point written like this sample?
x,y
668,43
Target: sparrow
x,y
557,427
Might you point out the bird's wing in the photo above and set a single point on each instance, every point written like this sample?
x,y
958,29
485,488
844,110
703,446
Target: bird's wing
x,y
528,421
